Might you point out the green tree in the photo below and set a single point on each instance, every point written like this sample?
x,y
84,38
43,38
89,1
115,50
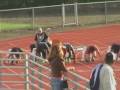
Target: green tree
x,y
5,4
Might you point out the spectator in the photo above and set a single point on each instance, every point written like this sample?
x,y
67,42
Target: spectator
x,y
42,43
107,79
41,36
102,77
58,70
90,53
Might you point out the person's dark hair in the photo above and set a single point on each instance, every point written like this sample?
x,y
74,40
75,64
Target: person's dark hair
x,y
91,48
115,48
109,58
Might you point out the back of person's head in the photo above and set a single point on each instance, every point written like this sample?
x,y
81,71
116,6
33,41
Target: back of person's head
x,y
56,42
115,48
109,58
55,52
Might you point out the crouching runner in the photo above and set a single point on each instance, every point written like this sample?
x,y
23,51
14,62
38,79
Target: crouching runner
x,y
91,53
15,53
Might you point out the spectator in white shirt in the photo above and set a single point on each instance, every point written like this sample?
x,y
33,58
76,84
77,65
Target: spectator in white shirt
x,y
107,78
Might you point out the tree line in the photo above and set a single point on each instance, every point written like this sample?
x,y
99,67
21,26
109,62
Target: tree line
x,y
9,4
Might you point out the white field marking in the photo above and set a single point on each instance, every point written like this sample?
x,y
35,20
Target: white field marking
x,y
12,71
114,66
117,70
86,65
7,86
20,84
83,70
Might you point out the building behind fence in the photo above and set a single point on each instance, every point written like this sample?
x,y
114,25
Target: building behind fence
x,y
61,15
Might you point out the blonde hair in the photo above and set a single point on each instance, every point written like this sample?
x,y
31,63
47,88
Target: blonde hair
x,y
55,52
56,42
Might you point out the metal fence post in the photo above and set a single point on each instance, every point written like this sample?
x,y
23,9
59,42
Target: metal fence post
x,y
106,12
40,77
0,70
63,14
0,24
75,86
76,13
33,18
27,73
32,73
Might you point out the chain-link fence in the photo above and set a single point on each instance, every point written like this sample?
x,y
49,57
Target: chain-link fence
x,y
60,15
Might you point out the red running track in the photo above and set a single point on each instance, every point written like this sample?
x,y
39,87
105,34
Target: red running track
x,y
101,36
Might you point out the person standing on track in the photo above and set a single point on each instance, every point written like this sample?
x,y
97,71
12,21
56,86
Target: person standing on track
x,y
41,36
107,78
42,43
